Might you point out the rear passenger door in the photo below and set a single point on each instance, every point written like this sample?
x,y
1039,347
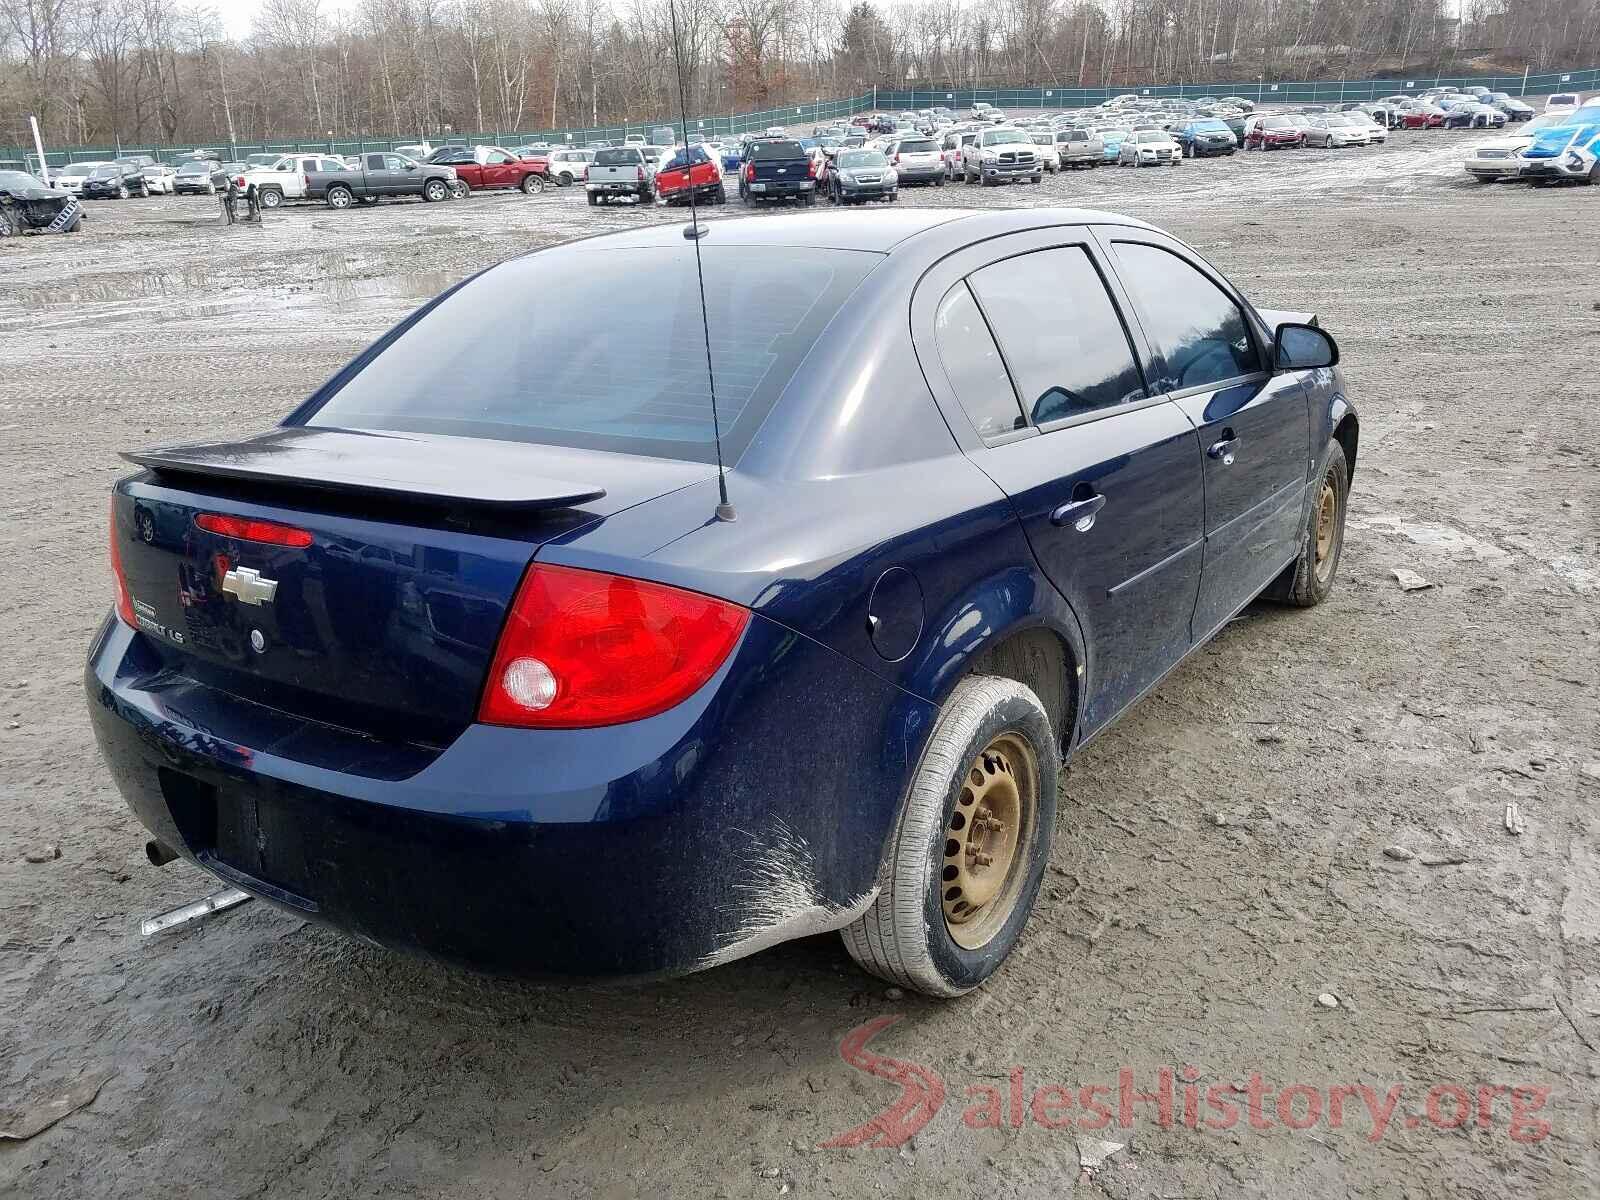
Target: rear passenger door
x,y
1024,342
1209,355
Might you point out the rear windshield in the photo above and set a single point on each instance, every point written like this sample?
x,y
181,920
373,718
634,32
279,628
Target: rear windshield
x,y
617,158
761,150
918,146
505,357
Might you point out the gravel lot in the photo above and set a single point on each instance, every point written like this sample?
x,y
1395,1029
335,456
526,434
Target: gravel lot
x,y
1221,858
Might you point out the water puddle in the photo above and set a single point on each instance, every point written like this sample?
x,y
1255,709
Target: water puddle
x,y
1440,537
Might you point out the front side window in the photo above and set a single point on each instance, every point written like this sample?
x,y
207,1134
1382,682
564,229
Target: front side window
x,y
1197,331
1069,356
393,162
972,362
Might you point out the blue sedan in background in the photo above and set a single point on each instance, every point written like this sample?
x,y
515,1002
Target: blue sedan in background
x,y
497,673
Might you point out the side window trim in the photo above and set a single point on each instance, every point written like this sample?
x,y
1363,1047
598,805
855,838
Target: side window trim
x,y
1109,237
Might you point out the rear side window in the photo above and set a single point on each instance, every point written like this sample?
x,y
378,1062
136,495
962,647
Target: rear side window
x,y
505,357
1069,355
1197,331
972,362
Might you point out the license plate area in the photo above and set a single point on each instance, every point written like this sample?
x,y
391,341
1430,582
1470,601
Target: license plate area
x,y
249,840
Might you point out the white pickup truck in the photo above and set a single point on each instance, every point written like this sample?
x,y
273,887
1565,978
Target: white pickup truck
x,y
286,178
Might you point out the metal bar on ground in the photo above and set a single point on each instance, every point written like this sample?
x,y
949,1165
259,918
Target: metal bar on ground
x,y
204,907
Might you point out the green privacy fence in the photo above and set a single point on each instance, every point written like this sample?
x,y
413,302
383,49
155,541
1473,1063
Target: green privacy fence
x,y
1037,97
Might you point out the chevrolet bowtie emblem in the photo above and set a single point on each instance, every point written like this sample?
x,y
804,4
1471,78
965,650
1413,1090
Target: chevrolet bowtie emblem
x,y
247,584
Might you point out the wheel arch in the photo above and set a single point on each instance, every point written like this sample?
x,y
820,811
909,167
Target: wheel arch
x,y
1347,432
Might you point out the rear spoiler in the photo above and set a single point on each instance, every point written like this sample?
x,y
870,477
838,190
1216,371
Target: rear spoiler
x,y
414,467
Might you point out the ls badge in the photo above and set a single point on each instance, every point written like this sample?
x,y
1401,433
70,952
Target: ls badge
x,y
247,584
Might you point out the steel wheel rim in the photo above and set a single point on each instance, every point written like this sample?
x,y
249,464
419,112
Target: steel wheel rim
x,y
1327,527
984,854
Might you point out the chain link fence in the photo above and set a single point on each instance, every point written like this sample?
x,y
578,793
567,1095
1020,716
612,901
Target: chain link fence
x,y
712,127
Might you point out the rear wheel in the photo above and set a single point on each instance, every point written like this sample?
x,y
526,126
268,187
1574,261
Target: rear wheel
x,y
594,200
969,850
1308,580
339,196
271,198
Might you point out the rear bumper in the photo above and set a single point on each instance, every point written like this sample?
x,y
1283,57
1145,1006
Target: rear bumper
x,y
656,847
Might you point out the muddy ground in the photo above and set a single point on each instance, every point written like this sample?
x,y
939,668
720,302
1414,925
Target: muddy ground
x,y
1221,858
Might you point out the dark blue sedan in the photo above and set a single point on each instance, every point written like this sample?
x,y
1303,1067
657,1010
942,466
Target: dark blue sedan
x,y
467,657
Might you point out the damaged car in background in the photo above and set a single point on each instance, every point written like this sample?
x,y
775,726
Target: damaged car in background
x,y
28,206
1565,153
522,678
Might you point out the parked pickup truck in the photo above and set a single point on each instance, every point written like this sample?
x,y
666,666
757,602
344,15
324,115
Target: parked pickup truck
x,y
285,179
687,169
621,172
1000,155
485,167
380,175
778,169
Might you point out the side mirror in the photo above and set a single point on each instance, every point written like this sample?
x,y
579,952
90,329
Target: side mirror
x,y
1302,348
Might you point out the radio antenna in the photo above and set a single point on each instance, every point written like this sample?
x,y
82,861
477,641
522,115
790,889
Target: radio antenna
x,y
694,233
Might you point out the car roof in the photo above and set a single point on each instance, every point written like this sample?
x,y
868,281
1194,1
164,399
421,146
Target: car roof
x,y
881,232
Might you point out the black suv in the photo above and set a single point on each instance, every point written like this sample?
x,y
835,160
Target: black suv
x,y
119,180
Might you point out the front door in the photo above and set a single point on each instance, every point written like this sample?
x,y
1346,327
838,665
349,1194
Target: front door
x,y
1104,476
1254,426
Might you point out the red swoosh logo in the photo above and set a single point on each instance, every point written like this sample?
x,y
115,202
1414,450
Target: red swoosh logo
x,y
921,1091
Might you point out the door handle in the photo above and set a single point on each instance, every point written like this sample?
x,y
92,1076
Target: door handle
x,y
1079,514
1224,449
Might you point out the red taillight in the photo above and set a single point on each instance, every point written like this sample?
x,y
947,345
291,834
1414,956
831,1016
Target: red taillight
x,y
641,174
124,597
896,159
248,530
811,169
750,172
583,648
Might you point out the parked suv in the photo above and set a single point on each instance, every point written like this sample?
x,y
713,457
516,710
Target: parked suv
x,y
917,161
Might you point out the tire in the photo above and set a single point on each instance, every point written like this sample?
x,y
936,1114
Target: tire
x,y
1038,178
938,181
144,191
211,189
339,196
123,193
808,199
720,196
532,185
5,225
1308,580
271,198
435,191
594,200
996,729
566,179
1594,175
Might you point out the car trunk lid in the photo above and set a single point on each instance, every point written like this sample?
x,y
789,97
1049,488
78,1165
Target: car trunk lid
x,y
374,595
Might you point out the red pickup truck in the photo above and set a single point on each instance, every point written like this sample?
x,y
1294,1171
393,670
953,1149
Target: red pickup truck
x,y
692,170
479,167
